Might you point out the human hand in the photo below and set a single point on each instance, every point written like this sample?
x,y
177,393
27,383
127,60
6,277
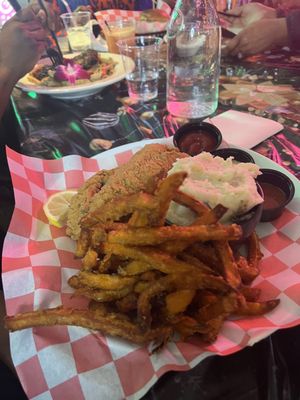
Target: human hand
x,y
49,19
258,37
247,14
22,41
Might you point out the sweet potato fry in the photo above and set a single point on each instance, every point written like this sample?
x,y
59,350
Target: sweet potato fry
x,y
250,294
171,283
127,303
96,294
90,259
207,218
206,253
178,301
98,233
204,297
146,281
159,260
135,267
254,253
228,264
156,236
188,201
74,282
165,193
99,308
211,216
256,308
188,326
151,275
97,236
175,246
139,219
83,244
141,286
112,226
247,272
86,319
105,281
103,295
188,258
213,328
223,306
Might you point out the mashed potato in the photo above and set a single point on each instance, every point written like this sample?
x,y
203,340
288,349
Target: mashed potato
x,y
213,181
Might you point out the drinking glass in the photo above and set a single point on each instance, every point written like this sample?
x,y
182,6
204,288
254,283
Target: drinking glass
x,y
142,73
78,29
117,30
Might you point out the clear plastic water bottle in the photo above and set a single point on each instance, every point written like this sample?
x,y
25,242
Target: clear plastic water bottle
x,y
194,45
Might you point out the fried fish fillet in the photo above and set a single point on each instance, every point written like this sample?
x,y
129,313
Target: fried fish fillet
x,y
142,173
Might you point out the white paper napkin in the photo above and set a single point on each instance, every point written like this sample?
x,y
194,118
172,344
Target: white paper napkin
x,y
243,129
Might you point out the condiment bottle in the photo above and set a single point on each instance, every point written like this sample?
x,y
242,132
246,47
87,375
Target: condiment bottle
x,y
193,67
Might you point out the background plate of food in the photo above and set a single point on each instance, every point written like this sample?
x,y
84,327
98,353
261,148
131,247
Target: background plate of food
x,y
152,21
82,75
147,22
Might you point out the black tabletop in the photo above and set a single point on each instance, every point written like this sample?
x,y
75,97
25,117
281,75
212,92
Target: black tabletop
x,y
50,128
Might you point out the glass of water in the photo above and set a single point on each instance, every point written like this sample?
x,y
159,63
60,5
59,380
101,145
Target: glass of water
x,y
78,29
193,70
142,74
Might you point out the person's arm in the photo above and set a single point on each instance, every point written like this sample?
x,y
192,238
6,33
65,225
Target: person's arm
x,y
293,28
22,41
7,83
258,37
245,15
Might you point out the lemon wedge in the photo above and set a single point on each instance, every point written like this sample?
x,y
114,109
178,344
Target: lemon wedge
x,y
57,206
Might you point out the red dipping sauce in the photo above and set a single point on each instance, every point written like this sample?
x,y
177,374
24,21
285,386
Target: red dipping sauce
x,y
194,142
274,196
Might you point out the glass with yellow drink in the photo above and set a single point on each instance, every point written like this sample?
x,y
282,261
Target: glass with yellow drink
x,y
78,29
118,30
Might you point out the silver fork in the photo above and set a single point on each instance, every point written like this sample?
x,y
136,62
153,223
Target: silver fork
x,y
101,120
55,55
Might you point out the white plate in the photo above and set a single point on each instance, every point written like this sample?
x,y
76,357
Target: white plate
x,y
78,91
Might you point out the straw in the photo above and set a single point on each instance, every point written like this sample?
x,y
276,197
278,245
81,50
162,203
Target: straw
x,y
66,4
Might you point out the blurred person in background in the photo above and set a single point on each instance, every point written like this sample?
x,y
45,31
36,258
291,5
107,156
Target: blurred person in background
x,y
98,5
285,4
22,42
264,28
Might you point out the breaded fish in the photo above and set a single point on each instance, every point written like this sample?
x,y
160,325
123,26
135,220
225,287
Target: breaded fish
x,y
80,203
142,173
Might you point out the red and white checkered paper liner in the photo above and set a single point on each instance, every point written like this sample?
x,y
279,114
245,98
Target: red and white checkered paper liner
x,y
74,363
142,27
